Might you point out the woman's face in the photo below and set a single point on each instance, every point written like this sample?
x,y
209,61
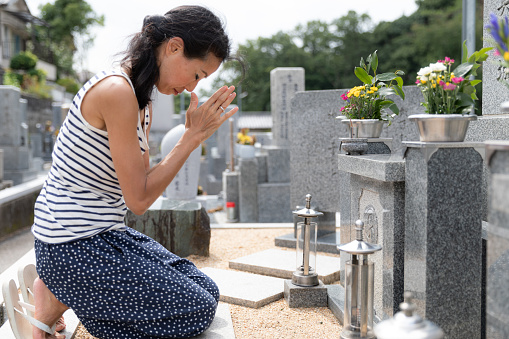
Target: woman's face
x,y
178,73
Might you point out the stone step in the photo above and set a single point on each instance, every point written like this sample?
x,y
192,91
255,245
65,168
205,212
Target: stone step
x,y
246,289
222,326
282,264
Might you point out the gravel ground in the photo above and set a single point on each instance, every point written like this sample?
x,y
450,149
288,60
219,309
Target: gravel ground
x,y
275,320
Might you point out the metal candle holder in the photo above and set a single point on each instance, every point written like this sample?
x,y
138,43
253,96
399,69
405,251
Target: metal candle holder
x,y
306,275
407,325
359,285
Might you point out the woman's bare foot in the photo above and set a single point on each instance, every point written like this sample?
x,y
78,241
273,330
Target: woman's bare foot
x,y
48,310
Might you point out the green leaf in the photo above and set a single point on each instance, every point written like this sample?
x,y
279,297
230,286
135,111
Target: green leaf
x,y
475,82
399,91
464,55
393,108
362,75
362,63
400,72
386,77
463,69
384,91
399,80
464,99
374,62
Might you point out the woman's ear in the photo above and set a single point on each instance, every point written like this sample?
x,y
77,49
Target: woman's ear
x,y
174,45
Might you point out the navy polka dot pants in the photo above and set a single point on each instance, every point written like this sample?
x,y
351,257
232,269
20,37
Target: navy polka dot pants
x,y
127,285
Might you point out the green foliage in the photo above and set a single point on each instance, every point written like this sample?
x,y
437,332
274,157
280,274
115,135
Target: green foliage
x,y
328,50
13,79
70,22
71,85
24,61
370,101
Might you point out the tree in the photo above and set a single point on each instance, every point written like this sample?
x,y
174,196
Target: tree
x,y
329,52
70,22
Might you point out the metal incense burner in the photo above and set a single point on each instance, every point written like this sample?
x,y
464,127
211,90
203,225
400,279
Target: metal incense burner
x,y
306,275
359,286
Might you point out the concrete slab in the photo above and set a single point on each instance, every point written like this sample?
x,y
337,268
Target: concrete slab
x,y
245,289
336,301
282,264
222,326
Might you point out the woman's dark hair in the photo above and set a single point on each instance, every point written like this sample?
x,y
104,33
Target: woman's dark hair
x,y
200,29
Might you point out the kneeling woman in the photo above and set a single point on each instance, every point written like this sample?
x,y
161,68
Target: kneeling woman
x,y
119,282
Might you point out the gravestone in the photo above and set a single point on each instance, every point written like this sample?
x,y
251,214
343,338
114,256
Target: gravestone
x,y
497,303
248,190
284,83
377,197
185,184
13,136
494,92
443,231
182,227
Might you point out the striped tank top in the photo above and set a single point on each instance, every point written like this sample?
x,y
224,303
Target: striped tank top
x,y
81,196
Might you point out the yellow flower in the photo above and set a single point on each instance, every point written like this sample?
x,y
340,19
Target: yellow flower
x,y
356,94
506,56
423,82
374,89
370,92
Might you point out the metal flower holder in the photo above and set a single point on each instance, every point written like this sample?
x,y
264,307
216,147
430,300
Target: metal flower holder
x,y
359,285
306,275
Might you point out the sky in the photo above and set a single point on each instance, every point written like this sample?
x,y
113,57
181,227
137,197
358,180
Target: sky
x,y
245,20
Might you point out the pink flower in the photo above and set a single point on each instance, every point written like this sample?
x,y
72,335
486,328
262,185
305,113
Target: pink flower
x,y
344,97
457,80
449,87
342,109
496,53
441,83
449,60
418,81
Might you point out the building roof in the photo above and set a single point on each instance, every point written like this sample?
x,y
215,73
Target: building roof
x,y
254,120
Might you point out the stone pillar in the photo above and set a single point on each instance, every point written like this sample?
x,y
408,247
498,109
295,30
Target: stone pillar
x,y
443,230
231,190
248,190
497,300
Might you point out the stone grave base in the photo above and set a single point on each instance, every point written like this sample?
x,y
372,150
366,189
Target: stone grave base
x,y
299,296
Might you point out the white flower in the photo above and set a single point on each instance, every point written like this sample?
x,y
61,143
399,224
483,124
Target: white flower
x,y
437,67
425,71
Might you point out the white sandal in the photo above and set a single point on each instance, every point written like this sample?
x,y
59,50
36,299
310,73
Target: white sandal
x,y
20,321
26,277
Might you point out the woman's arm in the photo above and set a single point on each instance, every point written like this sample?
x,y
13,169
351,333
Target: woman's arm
x,y
116,105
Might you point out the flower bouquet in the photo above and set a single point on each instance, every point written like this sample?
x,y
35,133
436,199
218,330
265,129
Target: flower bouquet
x,y
449,97
449,91
370,101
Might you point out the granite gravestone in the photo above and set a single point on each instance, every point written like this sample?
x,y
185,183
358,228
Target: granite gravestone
x,y
494,92
162,119
13,136
497,303
185,184
377,197
443,230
